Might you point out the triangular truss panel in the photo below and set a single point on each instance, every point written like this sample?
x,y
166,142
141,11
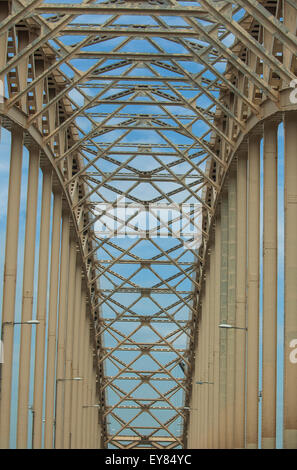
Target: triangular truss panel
x,y
141,104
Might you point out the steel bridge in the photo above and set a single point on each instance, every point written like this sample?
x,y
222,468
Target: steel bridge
x,y
141,288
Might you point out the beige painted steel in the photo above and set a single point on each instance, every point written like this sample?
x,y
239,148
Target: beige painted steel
x,y
9,283
95,411
216,374
4,11
62,328
253,291
231,315
27,300
80,385
69,347
52,323
212,326
195,400
241,268
194,404
76,352
223,319
270,226
85,385
200,372
204,361
89,399
290,346
41,311
205,386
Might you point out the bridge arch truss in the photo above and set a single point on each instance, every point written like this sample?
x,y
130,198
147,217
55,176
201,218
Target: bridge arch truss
x,y
144,121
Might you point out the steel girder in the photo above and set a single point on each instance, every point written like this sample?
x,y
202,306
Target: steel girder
x,y
142,103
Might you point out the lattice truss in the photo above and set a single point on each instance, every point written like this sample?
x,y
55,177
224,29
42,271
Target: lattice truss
x,y
141,104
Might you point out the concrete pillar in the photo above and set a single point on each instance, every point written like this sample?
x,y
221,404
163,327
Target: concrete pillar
x,y
42,307
270,227
230,391
253,292
216,372
62,327
290,348
223,319
52,322
241,269
27,300
69,346
9,283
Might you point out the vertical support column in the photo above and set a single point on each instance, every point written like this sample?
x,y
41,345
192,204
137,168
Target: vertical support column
x,y
231,308
69,347
89,397
195,416
85,383
27,300
223,319
211,315
290,366
42,306
9,284
62,326
206,360
201,355
92,410
52,322
78,430
216,372
269,286
191,419
197,404
95,412
253,292
76,351
241,269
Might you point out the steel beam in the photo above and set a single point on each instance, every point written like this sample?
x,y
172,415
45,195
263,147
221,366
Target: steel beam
x,y
290,366
27,299
270,287
253,292
241,285
10,278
